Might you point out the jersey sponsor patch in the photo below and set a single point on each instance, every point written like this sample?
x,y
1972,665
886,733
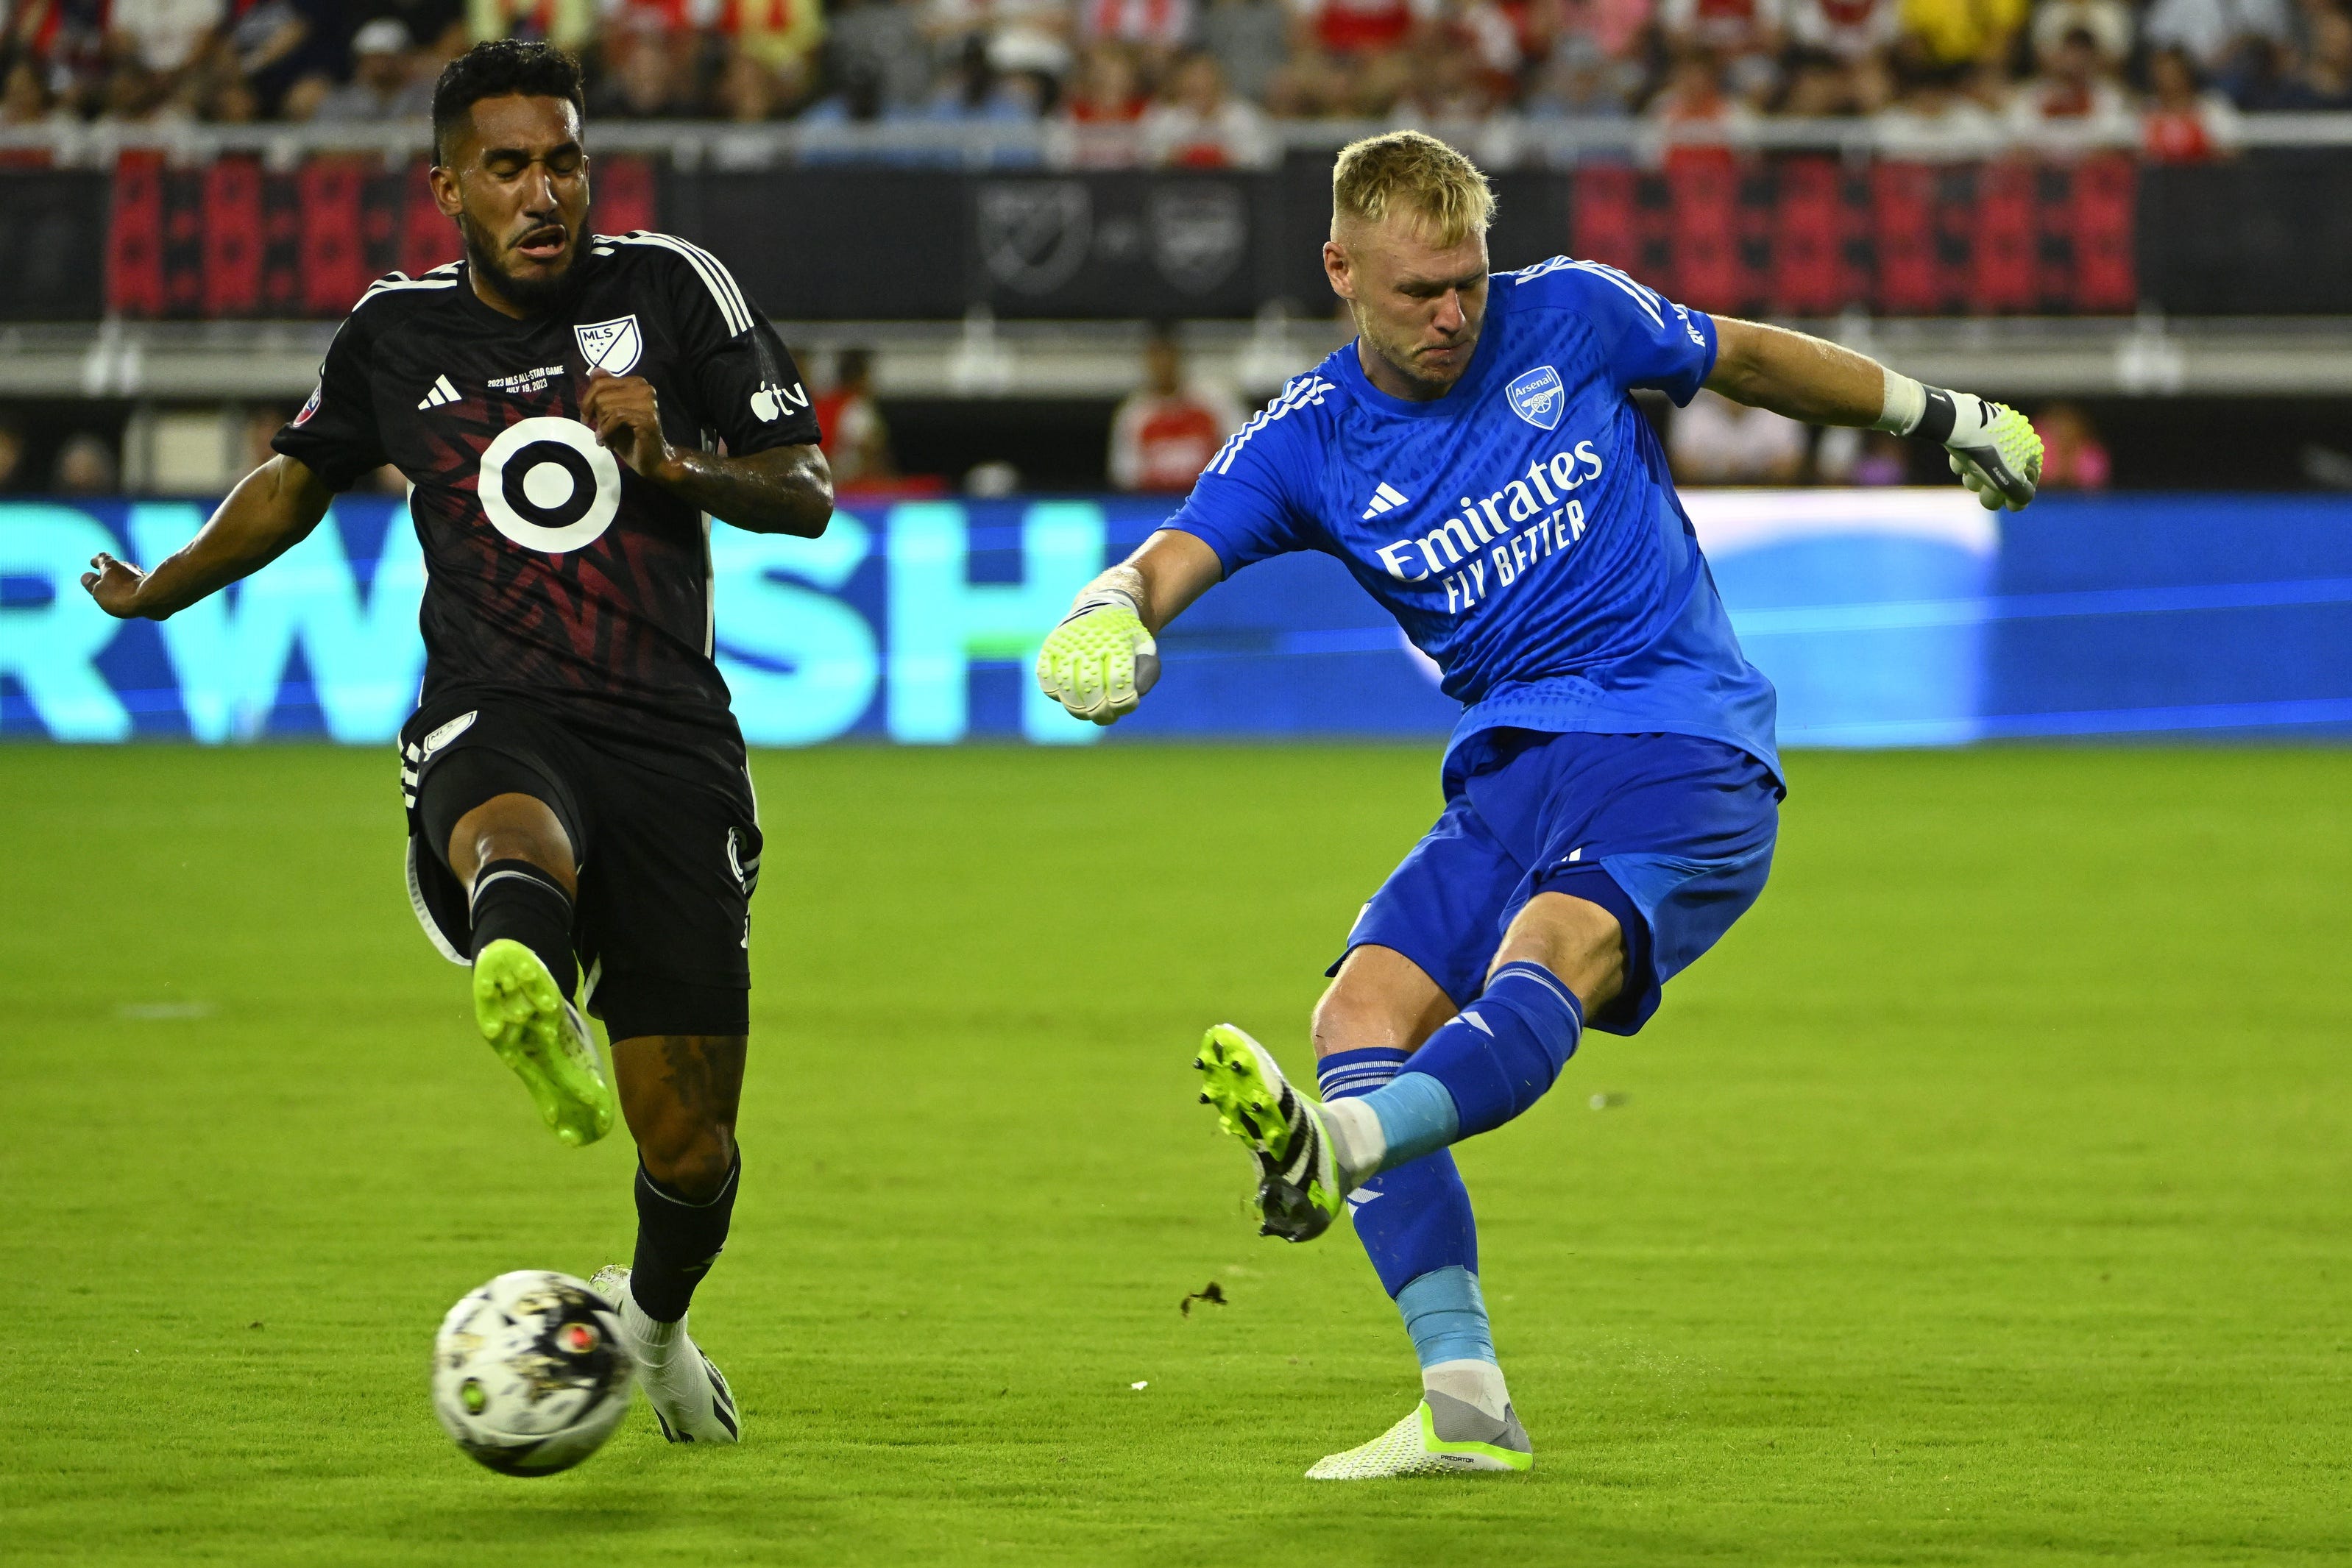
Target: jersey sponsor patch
x,y
613,346
770,403
548,485
1538,397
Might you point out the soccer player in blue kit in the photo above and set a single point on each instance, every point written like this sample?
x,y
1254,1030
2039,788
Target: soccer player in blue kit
x,y
1475,458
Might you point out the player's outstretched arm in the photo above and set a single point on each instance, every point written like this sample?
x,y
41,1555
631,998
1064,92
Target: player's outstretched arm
x,y
783,490
272,509
1101,659
1993,447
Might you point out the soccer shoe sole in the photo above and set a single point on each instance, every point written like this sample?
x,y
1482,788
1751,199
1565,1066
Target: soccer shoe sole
x,y
536,1032
612,1282
1412,1448
1298,1197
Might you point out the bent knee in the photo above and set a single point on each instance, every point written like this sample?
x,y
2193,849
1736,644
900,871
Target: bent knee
x,y
1382,998
690,1159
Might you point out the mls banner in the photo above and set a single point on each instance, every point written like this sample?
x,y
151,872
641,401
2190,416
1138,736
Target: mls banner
x,y
1884,617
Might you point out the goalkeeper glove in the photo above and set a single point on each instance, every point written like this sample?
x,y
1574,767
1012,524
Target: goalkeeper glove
x,y
1100,660
1993,447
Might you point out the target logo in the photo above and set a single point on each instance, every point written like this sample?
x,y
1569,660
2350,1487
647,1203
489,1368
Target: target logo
x,y
548,485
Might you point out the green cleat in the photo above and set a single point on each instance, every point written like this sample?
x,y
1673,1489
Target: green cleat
x,y
539,1034
1443,1436
1298,1192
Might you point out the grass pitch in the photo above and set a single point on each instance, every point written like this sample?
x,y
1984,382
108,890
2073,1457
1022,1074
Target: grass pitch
x,y
1983,1199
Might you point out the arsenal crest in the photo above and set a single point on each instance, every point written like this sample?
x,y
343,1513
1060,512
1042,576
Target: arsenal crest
x,y
1538,397
613,346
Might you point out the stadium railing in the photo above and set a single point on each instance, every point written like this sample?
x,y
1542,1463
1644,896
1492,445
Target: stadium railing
x,y
1794,218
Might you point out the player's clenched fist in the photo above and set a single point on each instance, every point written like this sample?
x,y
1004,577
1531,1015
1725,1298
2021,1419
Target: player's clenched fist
x,y
1996,452
1101,659
625,415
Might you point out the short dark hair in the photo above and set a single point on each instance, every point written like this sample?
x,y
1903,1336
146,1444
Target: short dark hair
x,y
494,69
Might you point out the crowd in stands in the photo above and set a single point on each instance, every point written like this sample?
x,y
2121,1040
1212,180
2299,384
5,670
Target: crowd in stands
x,y
1200,81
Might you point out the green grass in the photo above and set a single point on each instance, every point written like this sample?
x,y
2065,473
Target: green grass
x,y
1983,1199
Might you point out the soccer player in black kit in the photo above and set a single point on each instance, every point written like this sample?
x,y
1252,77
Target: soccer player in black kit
x,y
582,826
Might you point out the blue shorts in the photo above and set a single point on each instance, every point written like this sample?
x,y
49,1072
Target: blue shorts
x,y
1670,833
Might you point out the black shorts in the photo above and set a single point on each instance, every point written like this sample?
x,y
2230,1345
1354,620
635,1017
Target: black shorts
x,y
666,840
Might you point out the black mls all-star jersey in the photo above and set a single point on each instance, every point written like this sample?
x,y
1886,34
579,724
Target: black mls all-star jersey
x,y
553,571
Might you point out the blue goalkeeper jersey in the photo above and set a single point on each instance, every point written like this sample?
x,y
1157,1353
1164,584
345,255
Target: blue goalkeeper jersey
x,y
1523,529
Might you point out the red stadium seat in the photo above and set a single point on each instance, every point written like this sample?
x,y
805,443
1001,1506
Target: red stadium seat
x,y
334,263
1903,211
1815,230
2004,240
134,236
233,226
2104,212
1604,220
627,197
1702,199
427,238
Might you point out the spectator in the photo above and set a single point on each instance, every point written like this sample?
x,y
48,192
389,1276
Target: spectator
x,y
2072,456
649,68
1716,440
882,40
1167,429
385,82
856,440
1100,118
85,467
778,37
1354,29
2073,92
166,37
2325,83
1579,82
275,44
1248,38
25,98
1200,126
1935,122
12,455
568,23
1962,32
1699,121
69,37
2109,22
2210,31
975,91
1729,29
1022,37
1849,31
437,27
744,92
1618,29
1154,30
2185,123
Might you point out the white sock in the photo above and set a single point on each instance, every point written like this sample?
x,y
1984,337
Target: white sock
x,y
1478,1383
650,1335
1358,1144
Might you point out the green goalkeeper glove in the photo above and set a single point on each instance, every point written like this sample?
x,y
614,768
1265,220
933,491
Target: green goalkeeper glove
x,y
1100,660
1994,449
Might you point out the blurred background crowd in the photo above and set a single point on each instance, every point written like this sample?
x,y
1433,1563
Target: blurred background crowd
x,y
1203,82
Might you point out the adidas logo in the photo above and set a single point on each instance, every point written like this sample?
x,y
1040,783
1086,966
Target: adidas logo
x,y
443,392
1385,499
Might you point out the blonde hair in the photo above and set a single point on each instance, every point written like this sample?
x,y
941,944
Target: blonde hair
x,y
1408,173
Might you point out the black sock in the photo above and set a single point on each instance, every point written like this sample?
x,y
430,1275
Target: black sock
x,y
677,1242
518,900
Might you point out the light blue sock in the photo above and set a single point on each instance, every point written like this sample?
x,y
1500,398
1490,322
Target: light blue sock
x,y
1447,1317
1417,1116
